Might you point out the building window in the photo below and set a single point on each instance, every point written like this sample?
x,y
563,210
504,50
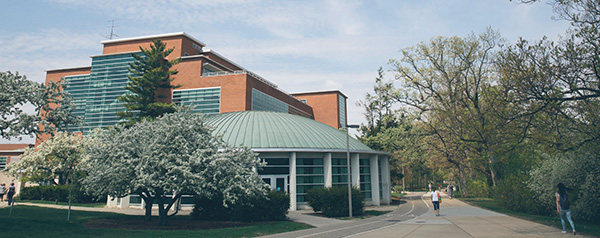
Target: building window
x,y
3,161
342,111
276,166
365,178
95,95
309,175
303,100
264,102
204,100
339,172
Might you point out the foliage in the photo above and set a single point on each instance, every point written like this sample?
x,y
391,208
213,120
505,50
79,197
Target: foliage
x,y
478,188
175,153
273,207
55,160
559,80
53,107
512,193
314,197
149,85
58,193
579,171
333,201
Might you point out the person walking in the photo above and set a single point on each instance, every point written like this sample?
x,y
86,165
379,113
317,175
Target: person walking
x,y
450,188
436,199
563,207
11,193
429,187
2,192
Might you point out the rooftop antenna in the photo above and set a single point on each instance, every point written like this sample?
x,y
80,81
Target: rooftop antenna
x,y
112,27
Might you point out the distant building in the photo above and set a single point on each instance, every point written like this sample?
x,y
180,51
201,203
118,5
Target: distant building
x,y
11,153
296,134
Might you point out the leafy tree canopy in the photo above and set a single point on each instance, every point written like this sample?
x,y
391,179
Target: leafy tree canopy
x,y
174,154
56,160
53,107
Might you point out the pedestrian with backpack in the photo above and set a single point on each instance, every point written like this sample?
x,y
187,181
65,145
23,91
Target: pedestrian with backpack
x,y
563,207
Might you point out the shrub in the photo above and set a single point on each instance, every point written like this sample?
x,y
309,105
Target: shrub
x,y
333,201
270,208
314,197
512,193
478,188
58,193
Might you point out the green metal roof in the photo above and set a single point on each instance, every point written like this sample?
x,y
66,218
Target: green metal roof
x,y
275,130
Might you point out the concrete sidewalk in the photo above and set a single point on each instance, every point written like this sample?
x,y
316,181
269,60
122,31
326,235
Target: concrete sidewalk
x,y
458,219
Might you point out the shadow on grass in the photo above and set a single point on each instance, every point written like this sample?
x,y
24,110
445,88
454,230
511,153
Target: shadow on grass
x,y
31,221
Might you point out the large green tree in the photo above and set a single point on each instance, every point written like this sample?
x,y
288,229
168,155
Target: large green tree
x,y
174,154
52,107
149,85
452,84
560,81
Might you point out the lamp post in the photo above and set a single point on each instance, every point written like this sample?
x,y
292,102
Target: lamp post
x,y
348,168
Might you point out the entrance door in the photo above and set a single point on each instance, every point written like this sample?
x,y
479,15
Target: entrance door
x,y
277,182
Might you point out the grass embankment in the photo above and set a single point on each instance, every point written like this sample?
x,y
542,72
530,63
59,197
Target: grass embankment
x,y
586,228
30,221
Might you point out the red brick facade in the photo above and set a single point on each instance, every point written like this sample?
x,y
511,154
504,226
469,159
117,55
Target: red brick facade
x,y
236,83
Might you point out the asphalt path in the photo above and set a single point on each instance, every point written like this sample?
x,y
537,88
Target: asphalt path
x,y
413,207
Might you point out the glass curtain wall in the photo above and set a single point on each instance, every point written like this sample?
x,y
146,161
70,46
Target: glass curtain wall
x,y
309,174
365,178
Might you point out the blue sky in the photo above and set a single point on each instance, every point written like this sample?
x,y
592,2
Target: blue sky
x,y
298,45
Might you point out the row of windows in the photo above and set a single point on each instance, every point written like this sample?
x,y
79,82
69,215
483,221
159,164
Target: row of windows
x,y
342,111
339,171
365,177
3,162
205,100
264,102
96,94
309,175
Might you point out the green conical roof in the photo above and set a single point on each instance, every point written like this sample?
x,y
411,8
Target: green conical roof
x,y
275,130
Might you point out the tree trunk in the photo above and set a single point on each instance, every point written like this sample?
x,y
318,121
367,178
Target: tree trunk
x,y
162,213
491,168
463,181
148,200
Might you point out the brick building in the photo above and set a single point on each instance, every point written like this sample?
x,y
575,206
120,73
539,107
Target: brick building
x,y
208,80
296,134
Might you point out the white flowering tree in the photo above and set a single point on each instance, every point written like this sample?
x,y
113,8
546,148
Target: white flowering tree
x,y
174,154
55,160
53,107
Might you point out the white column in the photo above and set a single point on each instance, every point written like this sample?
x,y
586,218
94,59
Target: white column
x,y
355,170
124,202
385,180
293,202
374,180
327,170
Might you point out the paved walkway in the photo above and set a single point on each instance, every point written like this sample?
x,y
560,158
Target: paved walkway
x,y
415,218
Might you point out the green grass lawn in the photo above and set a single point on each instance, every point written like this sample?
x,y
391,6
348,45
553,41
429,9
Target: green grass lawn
x,y
100,204
586,228
30,221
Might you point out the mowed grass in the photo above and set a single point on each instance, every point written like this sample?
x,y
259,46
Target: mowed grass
x,y
585,228
101,204
31,221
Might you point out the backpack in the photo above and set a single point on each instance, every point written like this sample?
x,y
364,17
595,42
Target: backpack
x,y
563,201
